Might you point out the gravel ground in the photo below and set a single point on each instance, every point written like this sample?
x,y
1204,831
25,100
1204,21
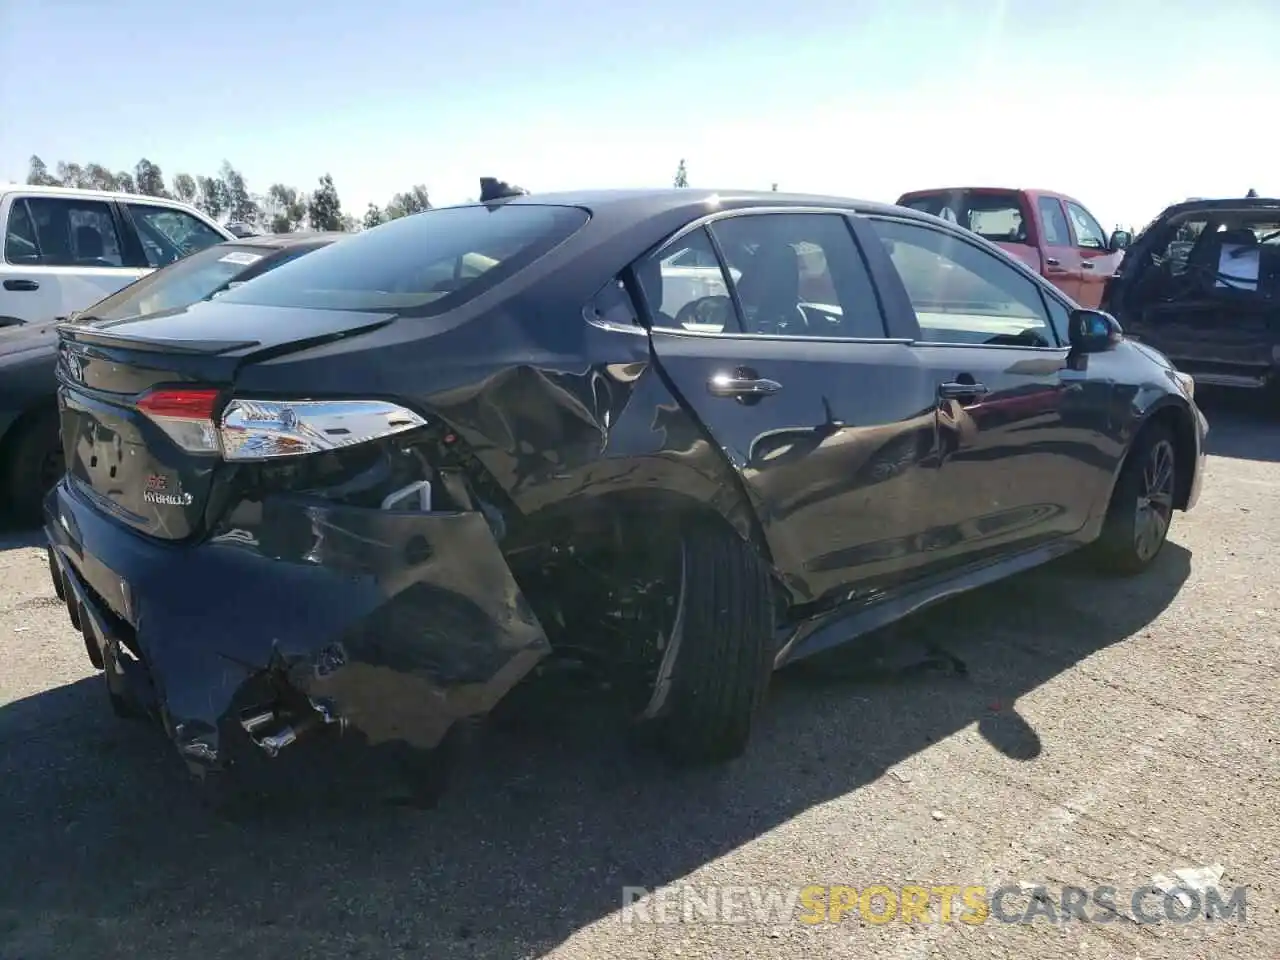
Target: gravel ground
x,y
1103,733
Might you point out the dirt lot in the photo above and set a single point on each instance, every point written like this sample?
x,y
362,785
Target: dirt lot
x,y
1104,733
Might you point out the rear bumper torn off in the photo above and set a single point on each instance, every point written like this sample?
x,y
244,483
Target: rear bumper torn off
x,y
393,625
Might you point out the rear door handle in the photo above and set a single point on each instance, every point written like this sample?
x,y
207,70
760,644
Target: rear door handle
x,y
1086,265
736,385
21,285
1052,262
951,390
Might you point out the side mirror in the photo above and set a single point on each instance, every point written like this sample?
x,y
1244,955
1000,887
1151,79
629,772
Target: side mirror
x,y
1119,240
1092,331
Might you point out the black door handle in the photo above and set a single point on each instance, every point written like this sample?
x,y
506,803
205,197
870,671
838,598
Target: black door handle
x,y
1086,265
21,285
740,384
953,390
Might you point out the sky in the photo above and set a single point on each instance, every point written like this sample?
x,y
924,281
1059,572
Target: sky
x,y
1126,106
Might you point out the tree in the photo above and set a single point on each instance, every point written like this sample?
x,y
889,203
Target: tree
x,y
100,178
184,188
124,182
39,174
373,216
213,196
148,179
415,200
350,224
72,175
284,210
682,176
774,188
240,205
324,210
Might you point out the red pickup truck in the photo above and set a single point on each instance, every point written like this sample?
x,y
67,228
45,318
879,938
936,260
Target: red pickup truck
x,y
1053,234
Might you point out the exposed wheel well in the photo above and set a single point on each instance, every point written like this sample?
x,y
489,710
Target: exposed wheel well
x,y
612,560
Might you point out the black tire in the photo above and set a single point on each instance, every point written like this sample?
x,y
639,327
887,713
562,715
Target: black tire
x,y
1141,508
724,659
33,464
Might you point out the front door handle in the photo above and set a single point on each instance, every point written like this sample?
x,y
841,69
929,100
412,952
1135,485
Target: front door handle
x,y
952,390
738,385
1052,262
21,285
1086,265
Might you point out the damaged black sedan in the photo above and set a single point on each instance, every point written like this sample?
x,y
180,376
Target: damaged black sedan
x,y
676,438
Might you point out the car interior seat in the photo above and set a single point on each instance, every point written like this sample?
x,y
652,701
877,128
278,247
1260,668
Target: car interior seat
x,y
89,245
770,289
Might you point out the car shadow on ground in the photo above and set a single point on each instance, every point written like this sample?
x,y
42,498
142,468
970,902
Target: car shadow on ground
x,y
548,819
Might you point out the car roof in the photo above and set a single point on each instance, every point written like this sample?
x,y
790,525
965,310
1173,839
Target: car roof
x,y
42,190
282,241
1222,203
697,201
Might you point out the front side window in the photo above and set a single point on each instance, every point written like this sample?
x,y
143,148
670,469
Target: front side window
x,y
1088,232
423,264
1056,231
69,232
168,234
961,293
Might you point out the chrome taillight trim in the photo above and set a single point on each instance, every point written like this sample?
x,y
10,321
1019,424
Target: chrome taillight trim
x,y
272,429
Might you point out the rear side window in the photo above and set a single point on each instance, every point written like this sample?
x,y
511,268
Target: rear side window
x,y
64,232
992,215
793,275
426,263
1056,231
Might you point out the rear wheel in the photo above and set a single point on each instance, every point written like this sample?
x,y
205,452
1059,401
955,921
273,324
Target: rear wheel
x,y
718,652
1141,508
33,465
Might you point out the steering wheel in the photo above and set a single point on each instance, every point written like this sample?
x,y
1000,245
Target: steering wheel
x,y
780,324
707,311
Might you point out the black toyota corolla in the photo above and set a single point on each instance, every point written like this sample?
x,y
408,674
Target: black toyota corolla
x,y
676,437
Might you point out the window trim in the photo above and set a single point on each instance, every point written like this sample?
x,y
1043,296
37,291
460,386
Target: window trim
x,y
991,250
704,223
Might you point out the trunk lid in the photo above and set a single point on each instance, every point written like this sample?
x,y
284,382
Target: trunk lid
x,y
118,454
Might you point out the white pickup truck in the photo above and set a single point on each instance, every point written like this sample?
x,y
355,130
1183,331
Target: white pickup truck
x,y
66,248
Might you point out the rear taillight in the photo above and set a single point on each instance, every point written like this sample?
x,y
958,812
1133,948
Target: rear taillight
x,y
270,429
186,416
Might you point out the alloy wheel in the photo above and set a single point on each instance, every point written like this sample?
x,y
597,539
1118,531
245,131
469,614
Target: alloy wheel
x,y
1155,501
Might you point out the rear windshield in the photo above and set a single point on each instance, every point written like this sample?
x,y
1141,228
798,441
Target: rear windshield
x,y
992,216
426,263
181,283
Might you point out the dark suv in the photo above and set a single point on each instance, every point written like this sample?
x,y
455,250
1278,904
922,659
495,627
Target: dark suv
x,y
380,486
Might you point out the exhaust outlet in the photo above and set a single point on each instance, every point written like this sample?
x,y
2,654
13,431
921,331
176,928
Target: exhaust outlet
x,y
256,726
